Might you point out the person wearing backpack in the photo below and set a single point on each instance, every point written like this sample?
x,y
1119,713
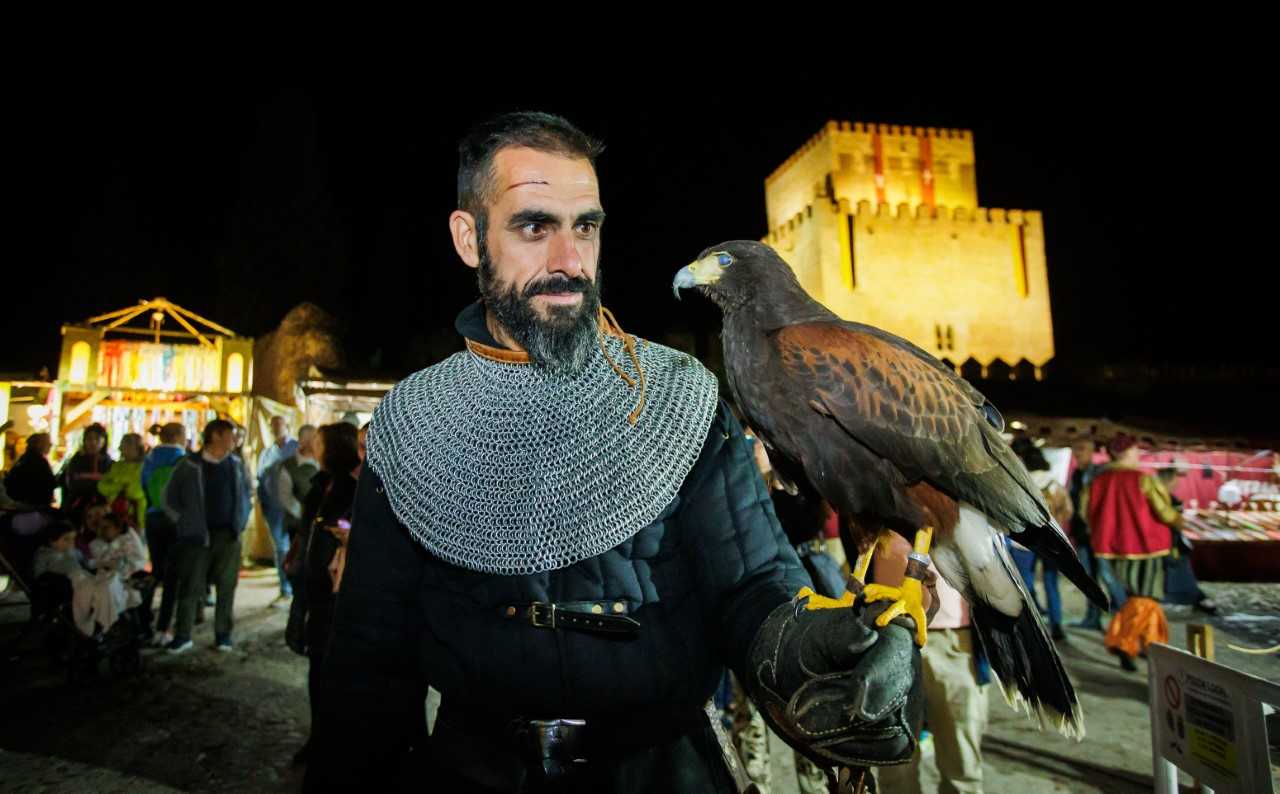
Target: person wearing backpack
x,y
157,469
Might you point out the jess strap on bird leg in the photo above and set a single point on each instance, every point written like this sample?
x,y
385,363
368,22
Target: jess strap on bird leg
x,y
902,577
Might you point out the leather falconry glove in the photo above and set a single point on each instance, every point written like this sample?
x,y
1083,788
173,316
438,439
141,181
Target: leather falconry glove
x,y
834,687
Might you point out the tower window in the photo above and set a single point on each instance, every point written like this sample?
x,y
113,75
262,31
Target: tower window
x,y
944,336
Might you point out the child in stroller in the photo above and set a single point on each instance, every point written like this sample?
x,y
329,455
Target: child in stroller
x,y
92,611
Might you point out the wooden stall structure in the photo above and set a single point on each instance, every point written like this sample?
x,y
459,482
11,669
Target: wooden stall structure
x,y
125,370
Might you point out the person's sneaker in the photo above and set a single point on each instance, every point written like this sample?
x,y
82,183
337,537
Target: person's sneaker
x,y
162,639
224,645
180,645
1057,633
1126,663
281,601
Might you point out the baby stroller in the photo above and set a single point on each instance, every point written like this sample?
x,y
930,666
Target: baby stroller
x,y
121,645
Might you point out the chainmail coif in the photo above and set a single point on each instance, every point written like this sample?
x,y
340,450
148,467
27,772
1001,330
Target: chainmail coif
x,y
505,468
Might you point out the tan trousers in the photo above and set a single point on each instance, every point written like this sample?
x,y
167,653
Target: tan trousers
x,y
956,711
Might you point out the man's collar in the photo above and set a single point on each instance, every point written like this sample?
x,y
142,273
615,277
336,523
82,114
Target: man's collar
x,y
471,324
205,456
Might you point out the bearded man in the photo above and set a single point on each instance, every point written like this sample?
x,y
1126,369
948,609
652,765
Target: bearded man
x,y
561,529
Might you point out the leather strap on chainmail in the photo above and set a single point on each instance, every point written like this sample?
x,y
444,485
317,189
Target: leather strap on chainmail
x,y
502,467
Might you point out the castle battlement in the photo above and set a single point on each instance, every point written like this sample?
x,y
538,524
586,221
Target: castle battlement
x,y
943,215
864,128
905,213
898,129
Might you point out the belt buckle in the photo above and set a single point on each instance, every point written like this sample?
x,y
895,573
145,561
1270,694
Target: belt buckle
x,y
542,615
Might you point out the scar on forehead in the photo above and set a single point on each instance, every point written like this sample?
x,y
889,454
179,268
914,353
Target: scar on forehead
x,y
530,182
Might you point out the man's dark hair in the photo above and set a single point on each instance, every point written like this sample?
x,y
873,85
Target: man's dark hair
x,y
98,430
215,427
341,448
172,433
542,132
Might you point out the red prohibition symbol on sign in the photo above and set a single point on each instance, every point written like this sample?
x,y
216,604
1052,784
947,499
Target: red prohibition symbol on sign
x,y
1172,692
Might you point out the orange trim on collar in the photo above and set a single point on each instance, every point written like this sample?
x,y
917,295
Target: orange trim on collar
x,y
501,355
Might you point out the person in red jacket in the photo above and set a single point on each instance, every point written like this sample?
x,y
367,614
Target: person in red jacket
x,y
1130,517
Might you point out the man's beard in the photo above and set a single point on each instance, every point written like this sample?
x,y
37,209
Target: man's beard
x,y
564,341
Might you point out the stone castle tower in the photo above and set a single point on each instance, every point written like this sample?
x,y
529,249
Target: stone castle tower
x,y
882,225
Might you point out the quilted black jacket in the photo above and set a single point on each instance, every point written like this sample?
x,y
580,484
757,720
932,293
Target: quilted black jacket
x,y
700,580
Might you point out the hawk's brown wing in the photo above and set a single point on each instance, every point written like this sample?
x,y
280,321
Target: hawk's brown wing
x,y
902,407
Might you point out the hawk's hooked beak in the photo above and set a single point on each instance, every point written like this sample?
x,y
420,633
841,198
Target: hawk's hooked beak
x,y
705,271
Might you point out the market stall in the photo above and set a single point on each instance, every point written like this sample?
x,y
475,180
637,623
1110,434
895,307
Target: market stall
x,y
126,371
328,397
1229,487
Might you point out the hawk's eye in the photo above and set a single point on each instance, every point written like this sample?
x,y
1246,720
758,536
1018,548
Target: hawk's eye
x,y
725,260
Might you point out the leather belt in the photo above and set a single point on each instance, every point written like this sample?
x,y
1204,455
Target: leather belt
x,y
596,617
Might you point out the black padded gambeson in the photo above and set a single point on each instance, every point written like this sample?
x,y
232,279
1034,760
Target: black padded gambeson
x,y
701,579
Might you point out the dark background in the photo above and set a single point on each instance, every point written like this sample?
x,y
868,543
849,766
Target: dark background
x,y
240,199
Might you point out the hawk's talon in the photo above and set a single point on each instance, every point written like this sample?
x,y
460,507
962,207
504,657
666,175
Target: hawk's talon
x,y
823,602
907,600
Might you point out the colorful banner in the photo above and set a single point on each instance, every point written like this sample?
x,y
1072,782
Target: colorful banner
x,y
171,368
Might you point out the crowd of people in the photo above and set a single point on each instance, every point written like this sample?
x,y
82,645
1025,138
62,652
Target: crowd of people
x,y
105,534
102,536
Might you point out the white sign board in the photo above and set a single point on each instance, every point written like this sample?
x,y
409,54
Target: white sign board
x,y
1207,720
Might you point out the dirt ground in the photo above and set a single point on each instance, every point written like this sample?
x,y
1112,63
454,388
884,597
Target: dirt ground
x,y
218,722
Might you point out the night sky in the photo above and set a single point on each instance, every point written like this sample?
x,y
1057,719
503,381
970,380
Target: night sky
x,y
239,200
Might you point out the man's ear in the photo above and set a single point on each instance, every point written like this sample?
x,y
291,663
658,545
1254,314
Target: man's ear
x,y
466,240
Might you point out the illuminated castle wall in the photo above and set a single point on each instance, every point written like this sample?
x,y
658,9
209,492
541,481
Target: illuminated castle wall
x,y
882,225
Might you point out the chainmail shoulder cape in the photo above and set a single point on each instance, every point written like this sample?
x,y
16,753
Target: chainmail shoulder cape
x,y
504,468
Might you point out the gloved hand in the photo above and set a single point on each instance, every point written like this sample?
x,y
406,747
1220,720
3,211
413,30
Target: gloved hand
x,y
835,688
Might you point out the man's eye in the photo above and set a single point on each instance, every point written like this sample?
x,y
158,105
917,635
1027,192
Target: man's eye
x,y
533,229
587,228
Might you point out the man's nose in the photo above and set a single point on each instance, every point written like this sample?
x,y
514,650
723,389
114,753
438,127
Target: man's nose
x,y
563,256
